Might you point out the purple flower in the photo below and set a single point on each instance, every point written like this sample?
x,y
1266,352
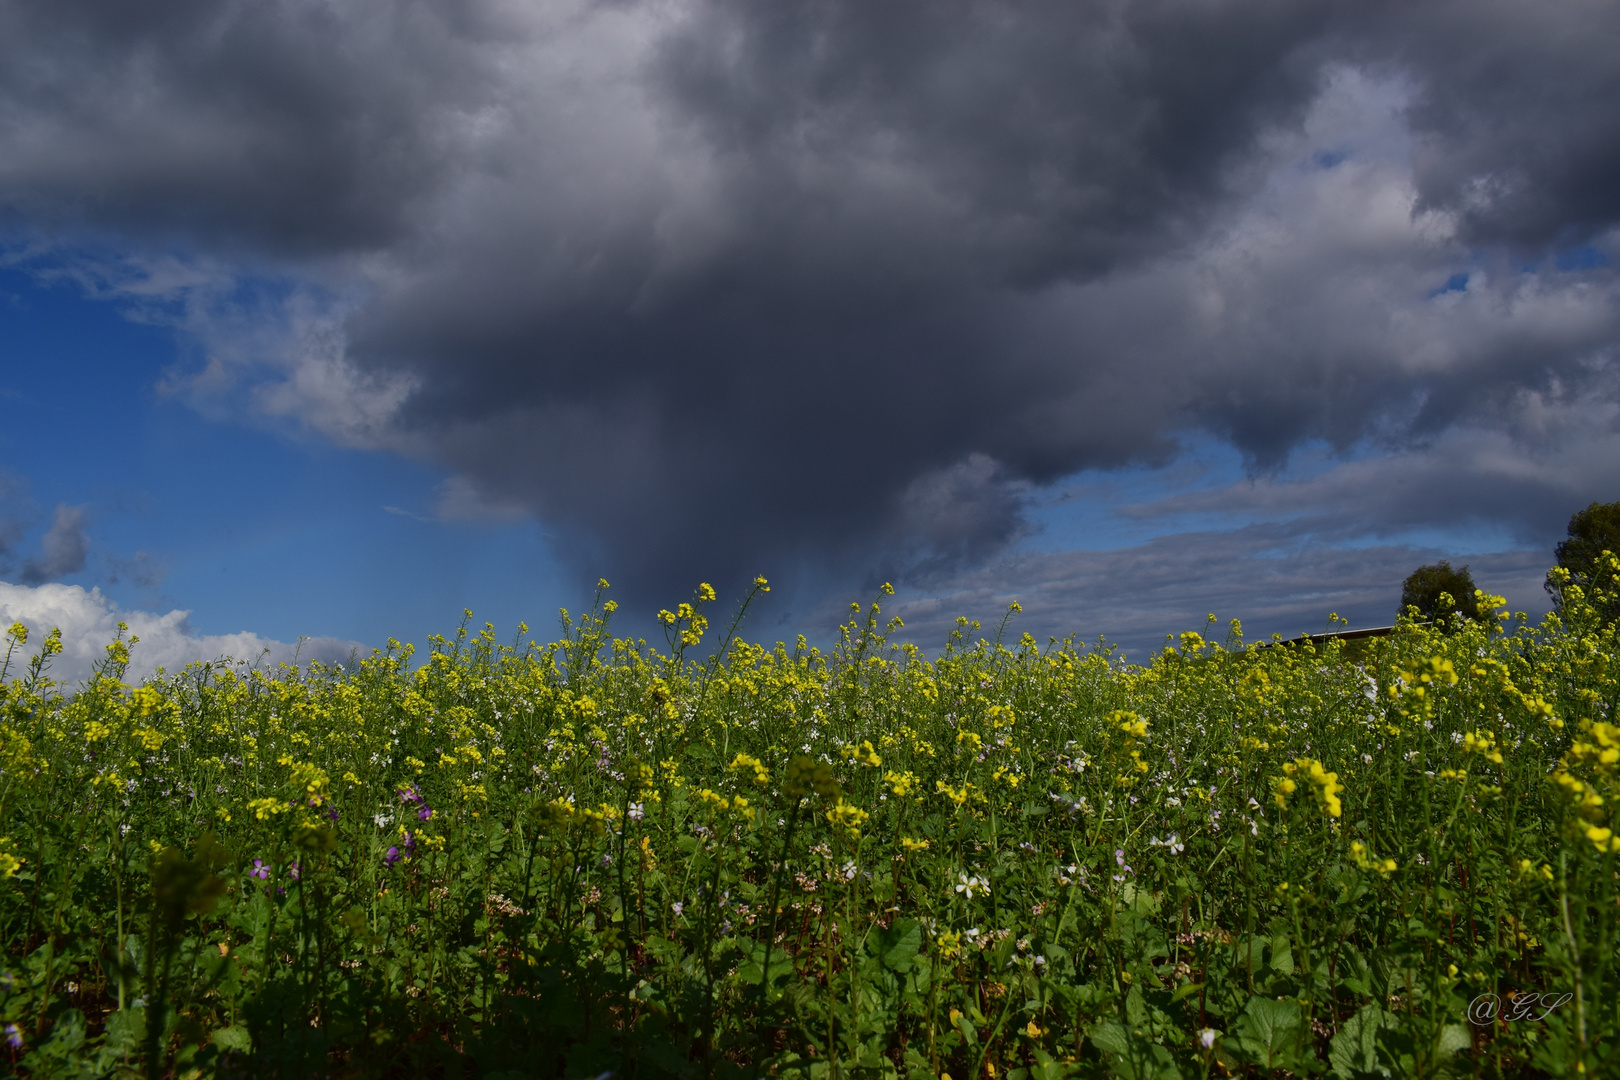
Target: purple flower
x,y
425,813
410,843
293,870
260,870
13,1037
409,795
392,857
332,813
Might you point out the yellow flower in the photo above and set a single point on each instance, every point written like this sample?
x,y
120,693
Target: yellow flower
x,y
1358,852
1483,743
865,753
1325,785
745,763
913,845
900,783
1129,723
847,816
1603,838
265,808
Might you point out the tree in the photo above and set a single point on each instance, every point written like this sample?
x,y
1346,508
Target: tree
x,y
1437,591
1591,532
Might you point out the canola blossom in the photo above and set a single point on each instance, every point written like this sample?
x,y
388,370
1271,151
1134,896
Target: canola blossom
x,y
704,858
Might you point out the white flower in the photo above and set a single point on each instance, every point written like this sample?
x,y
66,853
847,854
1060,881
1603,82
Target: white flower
x,y
635,812
969,885
1206,1038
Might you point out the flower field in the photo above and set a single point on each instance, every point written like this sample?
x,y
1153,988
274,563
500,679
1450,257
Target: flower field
x,y
709,858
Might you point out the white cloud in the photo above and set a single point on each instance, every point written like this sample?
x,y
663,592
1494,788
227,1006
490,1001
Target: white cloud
x,y
89,621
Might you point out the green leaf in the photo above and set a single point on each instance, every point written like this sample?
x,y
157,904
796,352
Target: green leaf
x,y
1354,1050
233,1038
1185,991
901,943
1455,1037
126,1030
1268,1032
1132,1057
1282,957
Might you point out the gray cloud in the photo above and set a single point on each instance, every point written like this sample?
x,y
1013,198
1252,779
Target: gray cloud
x,y
16,511
714,287
1273,578
143,569
64,548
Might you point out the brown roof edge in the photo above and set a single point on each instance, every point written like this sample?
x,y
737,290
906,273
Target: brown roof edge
x,y
1342,635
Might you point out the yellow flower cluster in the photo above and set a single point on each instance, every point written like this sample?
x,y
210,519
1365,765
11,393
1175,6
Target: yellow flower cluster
x,y
1484,744
1325,785
865,754
847,816
1364,860
715,801
1595,755
901,784
744,764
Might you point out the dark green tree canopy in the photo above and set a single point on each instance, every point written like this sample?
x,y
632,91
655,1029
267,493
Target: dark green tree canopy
x,y
1426,587
1591,532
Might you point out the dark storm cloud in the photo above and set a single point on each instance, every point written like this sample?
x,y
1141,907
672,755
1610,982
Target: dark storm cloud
x,y
279,127
1519,119
722,286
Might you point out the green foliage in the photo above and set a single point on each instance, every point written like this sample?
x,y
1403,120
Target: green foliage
x,y
1440,592
1594,533
1008,862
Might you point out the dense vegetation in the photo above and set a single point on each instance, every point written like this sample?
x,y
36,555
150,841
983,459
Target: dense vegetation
x,y
1011,861
1437,590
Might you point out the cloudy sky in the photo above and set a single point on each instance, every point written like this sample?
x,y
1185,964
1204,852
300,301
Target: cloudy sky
x,y
333,319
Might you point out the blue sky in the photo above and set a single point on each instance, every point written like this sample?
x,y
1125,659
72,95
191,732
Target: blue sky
x,y
334,326
254,527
